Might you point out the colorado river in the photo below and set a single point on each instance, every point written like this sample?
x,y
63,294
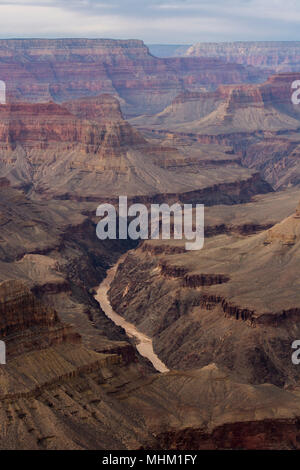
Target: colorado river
x,y
143,342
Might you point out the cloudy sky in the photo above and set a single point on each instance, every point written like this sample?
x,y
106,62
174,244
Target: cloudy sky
x,y
154,21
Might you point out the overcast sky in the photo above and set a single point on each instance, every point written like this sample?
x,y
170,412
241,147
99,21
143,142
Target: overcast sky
x,y
154,21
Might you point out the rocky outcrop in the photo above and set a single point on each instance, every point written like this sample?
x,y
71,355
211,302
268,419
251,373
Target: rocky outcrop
x,y
40,125
27,324
253,431
105,109
243,229
48,125
276,157
161,249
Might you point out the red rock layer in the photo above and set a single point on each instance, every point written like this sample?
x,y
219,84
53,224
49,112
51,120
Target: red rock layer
x,y
102,108
42,125
274,55
63,69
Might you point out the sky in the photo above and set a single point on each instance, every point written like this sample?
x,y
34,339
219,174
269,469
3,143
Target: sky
x,y
154,21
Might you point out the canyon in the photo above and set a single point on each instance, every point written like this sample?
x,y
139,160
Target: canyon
x,y
39,70
121,344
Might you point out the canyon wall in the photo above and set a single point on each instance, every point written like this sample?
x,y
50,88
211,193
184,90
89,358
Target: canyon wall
x,y
64,69
259,122
274,55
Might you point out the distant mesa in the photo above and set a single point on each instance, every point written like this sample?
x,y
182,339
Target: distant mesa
x,y
280,56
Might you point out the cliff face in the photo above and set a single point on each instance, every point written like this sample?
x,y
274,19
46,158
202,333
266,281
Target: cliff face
x,y
44,125
27,324
39,125
36,136
274,55
20,309
64,69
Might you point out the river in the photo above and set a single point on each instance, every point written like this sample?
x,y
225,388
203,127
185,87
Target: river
x,y
143,342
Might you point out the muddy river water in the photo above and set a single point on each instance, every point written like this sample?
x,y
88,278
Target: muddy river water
x,y
143,342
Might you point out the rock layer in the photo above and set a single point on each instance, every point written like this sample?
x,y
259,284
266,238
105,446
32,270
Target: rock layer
x,y
274,55
64,69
